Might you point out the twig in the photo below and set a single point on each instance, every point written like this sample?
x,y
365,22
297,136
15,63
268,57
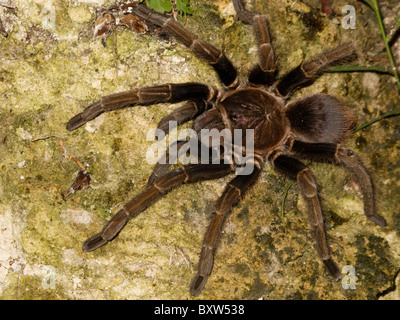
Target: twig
x,y
66,156
47,137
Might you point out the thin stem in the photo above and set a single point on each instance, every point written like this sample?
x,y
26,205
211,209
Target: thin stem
x,y
285,194
385,40
393,113
377,69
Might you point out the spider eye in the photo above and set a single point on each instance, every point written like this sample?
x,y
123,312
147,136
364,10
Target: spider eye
x,y
233,117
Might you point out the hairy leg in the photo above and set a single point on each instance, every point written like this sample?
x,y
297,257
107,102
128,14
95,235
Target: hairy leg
x,y
215,57
308,71
265,71
143,96
337,154
296,170
183,114
232,194
161,186
353,163
161,169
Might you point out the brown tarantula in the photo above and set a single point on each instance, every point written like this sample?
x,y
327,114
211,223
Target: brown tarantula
x,y
309,128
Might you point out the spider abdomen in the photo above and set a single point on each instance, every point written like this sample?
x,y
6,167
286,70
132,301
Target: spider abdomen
x,y
320,118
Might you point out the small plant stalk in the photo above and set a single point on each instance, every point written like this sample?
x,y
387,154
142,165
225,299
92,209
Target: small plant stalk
x,y
386,42
285,194
393,113
350,68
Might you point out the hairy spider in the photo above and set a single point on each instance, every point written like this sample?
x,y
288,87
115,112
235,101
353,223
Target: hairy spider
x,y
311,127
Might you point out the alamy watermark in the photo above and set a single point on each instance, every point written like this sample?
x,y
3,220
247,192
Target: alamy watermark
x,y
209,146
49,277
349,20
349,280
49,15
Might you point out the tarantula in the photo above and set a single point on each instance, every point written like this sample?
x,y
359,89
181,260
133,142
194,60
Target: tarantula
x,y
311,128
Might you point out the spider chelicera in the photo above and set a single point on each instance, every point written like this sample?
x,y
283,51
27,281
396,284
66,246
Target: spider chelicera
x,y
285,132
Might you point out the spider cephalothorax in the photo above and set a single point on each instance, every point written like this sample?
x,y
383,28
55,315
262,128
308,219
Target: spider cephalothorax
x,y
284,132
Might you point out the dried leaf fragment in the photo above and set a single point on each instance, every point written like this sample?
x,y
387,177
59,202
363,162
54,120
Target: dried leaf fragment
x,y
81,182
104,25
134,23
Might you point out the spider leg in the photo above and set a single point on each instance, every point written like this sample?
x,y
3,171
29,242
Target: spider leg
x,y
232,194
265,71
308,71
161,169
215,57
143,96
183,114
353,163
161,186
339,155
298,171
